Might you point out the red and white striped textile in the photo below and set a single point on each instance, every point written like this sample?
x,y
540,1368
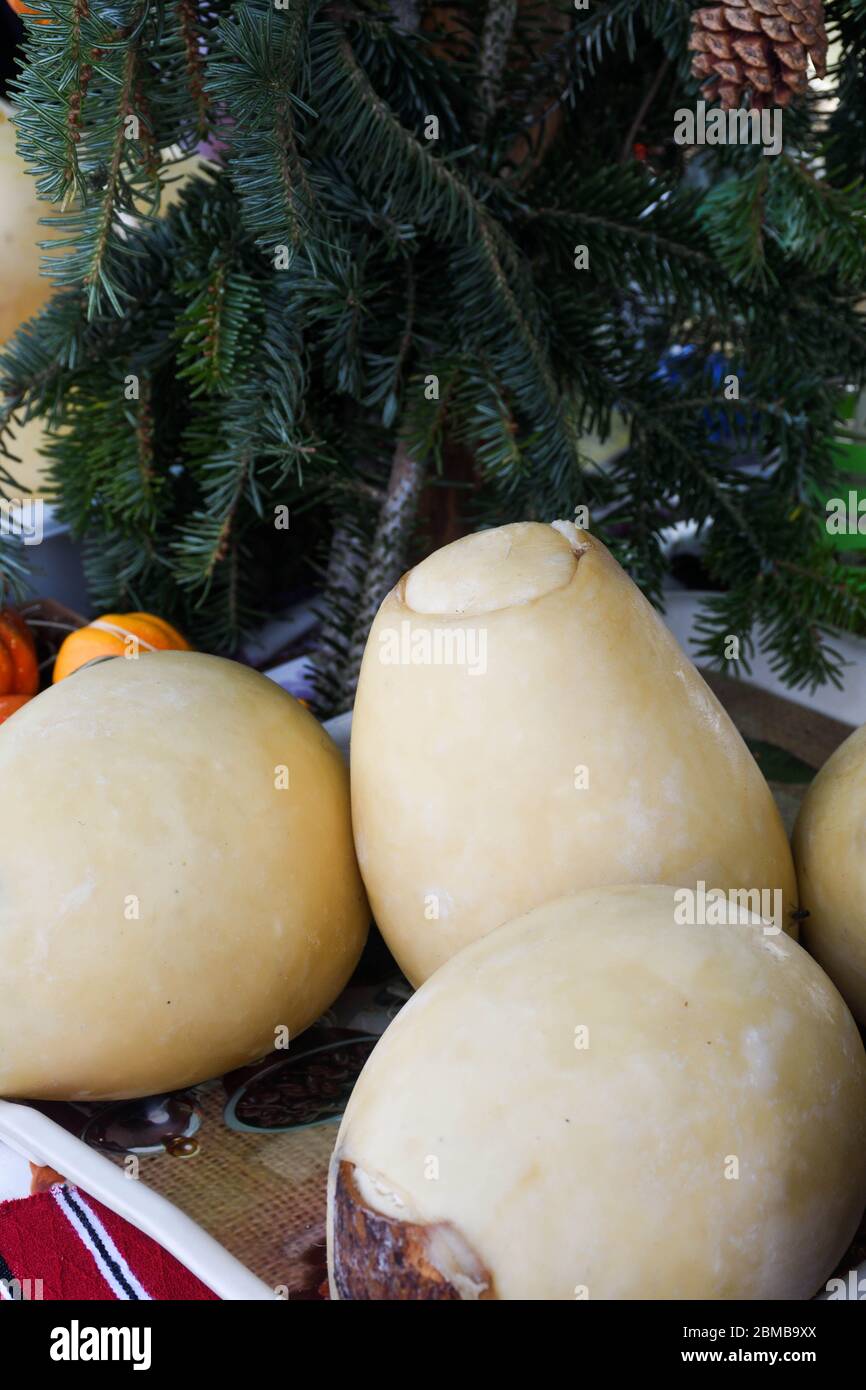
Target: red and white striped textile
x,y
62,1244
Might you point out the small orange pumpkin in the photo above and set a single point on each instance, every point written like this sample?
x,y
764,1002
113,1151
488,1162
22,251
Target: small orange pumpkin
x,y
20,8
24,9
10,703
19,667
116,634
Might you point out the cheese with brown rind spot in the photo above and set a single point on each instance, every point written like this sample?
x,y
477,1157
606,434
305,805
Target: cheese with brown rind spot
x,y
597,1101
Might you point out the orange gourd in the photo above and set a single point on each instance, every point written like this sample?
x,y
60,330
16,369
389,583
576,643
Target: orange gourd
x,y
19,667
20,8
116,634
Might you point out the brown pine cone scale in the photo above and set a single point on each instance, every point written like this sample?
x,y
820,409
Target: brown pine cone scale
x,y
758,50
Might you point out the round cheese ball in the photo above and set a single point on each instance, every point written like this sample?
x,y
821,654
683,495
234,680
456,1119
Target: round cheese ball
x,y
177,877
595,1101
830,857
527,726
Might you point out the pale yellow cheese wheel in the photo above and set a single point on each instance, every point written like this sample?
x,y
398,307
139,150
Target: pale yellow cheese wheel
x,y
167,902
830,856
596,1102
525,726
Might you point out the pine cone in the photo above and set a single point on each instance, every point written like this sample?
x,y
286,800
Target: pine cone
x,y
758,48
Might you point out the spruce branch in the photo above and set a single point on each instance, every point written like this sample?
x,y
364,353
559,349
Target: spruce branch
x,y
14,570
259,73
220,317
391,162
193,34
387,371
99,89
432,300
434,194
112,200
